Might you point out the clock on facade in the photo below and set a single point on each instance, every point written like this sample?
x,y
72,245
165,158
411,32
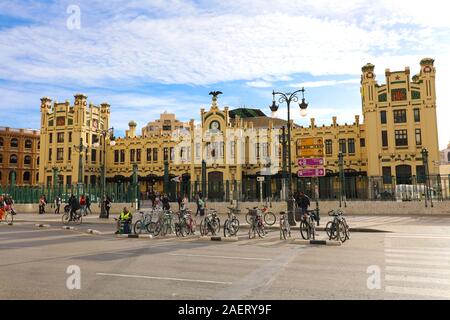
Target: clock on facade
x,y
369,75
427,69
95,123
215,125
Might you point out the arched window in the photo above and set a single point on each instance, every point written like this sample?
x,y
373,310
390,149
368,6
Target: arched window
x,y
1,142
13,158
28,144
14,143
27,160
26,177
37,177
1,158
37,161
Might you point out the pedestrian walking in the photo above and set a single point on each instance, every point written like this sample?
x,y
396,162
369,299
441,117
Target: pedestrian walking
x,y
165,202
88,205
42,203
83,205
58,203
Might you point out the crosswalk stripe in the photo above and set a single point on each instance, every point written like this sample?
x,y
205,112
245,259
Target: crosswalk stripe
x,y
406,278
418,262
414,256
417,270
273,243
419,291
421,252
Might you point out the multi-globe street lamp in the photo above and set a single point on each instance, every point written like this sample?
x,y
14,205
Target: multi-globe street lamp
x,y
289,97
103,134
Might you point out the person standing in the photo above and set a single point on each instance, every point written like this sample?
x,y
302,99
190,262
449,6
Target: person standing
x,y
179,200
201,205
88,205
184,203
303,203
57,204
107,203
42,203
165,202
83,205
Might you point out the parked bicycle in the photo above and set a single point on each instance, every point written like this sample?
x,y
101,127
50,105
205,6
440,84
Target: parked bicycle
x,y
256,224
337,229
141,224
186,224
210,223
77,217
231,225
285,227
269,217
164,225
308,225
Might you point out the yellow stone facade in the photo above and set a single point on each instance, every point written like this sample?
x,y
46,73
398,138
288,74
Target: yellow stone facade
x,y
399,120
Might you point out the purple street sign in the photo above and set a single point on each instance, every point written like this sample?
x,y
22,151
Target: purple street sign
x,y
315,172
310,162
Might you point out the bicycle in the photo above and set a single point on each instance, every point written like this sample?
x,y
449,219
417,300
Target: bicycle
x,y
142,223
186,224
210,223
231,225
163,225
285,227
269,217
256,224
8,216
307,226
337,229
77,217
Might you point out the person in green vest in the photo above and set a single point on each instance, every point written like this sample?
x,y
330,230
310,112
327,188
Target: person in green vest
x,y
126,218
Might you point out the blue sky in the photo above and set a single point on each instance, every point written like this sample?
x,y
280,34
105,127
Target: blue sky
x,y
145,57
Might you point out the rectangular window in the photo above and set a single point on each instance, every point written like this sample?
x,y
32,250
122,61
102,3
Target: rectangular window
x,y
362,142
383,117
122,156
69,154
59,154
172,154
69,180
418,137
149,154
138,155
70,136
265,149
387,175
401,138
400,116
60,137
155,154
50,137
351,146
416,115
116,156
87,138
166,154
342,146
50,154
420,174
398,94
132,154
94,155
257,150
328,147
384,138
94,138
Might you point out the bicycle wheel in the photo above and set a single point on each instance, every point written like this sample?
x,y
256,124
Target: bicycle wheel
x,y
248,218
154,228
226,231
234,226
312,230
342,233
215,224
270,218
203,230
178,229
78,219
304,230
138,226
347,228
283,232
193,226
65,218
260,230
331,230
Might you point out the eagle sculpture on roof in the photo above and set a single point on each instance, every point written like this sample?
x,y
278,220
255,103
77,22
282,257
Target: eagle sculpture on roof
x,y
215,93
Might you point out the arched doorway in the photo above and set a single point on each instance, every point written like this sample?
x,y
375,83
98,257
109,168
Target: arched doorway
x,y
215,186
403,174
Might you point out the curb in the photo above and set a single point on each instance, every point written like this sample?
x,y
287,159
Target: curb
x,y
69,228
318,242
42,225
136,236
218,238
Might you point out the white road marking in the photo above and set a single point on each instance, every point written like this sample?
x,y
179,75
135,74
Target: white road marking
x,y
414,256
160,278
418,262
405,278
417,270
421,252
416,236
221,257
419,291
28,231
439,249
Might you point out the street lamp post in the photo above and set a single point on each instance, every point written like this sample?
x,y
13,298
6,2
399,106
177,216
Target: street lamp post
x,y
427,181
80,149
341,180
104,134
288,98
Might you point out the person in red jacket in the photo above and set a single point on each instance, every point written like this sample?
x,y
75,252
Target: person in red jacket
x,y
83,205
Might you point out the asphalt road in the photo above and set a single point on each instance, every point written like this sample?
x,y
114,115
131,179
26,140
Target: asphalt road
x,y
412,261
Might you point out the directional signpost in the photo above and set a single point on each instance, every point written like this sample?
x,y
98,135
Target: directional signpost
x,y
311,163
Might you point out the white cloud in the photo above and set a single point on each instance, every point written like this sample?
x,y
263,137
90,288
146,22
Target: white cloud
x,y
259,84
324,83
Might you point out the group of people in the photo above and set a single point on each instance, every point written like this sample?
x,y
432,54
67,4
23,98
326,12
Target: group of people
x,y
6,203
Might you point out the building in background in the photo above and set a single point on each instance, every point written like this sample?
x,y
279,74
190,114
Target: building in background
x,y
444,164
19,156
166,123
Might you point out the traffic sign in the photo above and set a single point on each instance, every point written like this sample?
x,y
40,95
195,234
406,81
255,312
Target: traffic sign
x,y
311,172
302,162
309,153
309,142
